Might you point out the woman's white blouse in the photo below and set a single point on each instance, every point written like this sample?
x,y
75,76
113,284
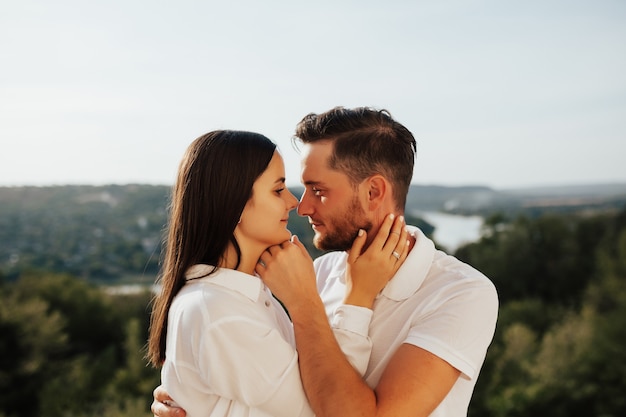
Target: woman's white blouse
x,y
231,351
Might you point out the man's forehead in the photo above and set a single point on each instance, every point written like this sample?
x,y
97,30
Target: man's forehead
x,y
315,168
317,150
315,159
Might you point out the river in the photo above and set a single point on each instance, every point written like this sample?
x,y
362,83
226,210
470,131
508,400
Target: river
x,y
452,230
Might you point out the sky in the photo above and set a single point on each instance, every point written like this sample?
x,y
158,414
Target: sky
x,y
505,94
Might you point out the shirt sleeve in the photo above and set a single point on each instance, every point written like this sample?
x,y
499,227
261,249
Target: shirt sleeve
x,y
461,330
250,362
350,325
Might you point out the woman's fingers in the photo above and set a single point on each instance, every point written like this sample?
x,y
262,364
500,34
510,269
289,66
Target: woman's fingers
x,y
357,246
401,248
381,238
396,237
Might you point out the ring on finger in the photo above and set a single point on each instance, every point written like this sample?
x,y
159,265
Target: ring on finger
x,y
395,233
396,254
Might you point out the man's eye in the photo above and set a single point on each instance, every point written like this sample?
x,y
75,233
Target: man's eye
x,y
316,191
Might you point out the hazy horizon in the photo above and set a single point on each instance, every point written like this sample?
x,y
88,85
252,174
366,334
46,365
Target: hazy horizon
x,y
619,184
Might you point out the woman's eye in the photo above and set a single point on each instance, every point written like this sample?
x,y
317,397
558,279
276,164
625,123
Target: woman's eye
x,y
280,190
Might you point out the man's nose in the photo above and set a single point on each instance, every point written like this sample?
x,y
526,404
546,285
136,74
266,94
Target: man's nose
x,y
304,207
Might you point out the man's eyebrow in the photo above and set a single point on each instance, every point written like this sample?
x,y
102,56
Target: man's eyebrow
x,y
312,183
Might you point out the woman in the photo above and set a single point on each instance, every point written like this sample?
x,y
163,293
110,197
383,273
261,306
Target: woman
x,y
226,345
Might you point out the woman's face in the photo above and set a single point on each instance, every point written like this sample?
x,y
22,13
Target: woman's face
x,y
264,218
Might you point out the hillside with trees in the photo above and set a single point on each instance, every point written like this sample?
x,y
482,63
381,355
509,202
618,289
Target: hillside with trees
x,y
114,233
109,234
70,347
558,348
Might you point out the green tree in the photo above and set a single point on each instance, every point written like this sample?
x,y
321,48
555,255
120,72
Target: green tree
x,y
136,377
576,366
540,258
31,335
62,343
91,323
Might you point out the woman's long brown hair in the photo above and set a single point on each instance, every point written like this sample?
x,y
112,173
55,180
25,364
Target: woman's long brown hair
x,y
214,182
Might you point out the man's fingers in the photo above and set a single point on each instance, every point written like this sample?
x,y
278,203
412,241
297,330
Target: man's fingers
x,y
161,395
157,408
163,410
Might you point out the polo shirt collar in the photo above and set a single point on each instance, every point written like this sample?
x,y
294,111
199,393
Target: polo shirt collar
x,y
248,285
414,270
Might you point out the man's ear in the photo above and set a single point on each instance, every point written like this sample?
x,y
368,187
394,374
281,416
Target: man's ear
x,y
378,189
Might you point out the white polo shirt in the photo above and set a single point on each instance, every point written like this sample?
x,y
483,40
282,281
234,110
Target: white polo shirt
x,y
230,348
435,302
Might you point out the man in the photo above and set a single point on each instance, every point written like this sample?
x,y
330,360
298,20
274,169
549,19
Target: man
x,y
431,324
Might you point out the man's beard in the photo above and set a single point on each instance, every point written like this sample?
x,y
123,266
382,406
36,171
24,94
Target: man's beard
x,y
344,229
